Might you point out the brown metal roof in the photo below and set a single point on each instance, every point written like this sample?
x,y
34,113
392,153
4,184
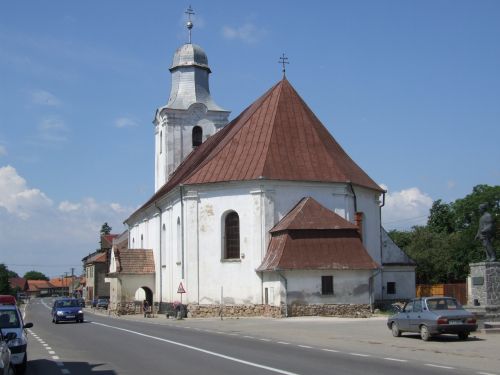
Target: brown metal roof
x,y
135,261
277,138
309,214
304,239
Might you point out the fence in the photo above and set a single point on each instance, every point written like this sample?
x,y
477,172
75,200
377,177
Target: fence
x,y
458,291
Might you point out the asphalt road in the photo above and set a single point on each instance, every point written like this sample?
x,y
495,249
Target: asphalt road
x,y
104,345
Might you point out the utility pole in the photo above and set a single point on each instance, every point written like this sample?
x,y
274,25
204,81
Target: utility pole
x,y
72,281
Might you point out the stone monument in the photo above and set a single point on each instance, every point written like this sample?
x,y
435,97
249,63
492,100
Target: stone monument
x,y
485,276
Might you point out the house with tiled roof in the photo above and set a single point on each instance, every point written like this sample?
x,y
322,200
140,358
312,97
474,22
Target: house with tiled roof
x,y
40,288
263,213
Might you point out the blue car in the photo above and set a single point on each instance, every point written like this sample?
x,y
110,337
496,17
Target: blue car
x,y
67,309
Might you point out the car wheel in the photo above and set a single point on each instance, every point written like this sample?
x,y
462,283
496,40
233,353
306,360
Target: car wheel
x,y
21,369
395,330
424,333
463,335
56,321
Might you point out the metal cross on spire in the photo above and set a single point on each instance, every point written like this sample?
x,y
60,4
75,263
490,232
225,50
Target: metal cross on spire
x,y
283,61
189,23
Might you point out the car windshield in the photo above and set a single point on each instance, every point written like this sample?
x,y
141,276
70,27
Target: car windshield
x,y
9,319
443,304
67,303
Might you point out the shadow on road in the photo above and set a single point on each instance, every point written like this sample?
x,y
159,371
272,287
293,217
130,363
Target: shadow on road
x,y
47,367
442,338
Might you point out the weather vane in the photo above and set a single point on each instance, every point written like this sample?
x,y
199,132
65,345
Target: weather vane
x,y
283,61
189,23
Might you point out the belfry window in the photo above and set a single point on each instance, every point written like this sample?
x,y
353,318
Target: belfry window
x,y
197,136
232,236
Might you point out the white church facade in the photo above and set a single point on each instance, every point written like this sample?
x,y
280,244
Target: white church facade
x,y
264,215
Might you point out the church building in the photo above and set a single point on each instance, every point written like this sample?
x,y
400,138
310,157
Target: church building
x,y
263,215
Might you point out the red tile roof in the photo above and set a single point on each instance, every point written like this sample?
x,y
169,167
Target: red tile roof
x,y
304,240
35,285
278,138
18,282
135,261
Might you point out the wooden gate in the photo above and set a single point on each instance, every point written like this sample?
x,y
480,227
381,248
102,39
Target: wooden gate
x,y
458,291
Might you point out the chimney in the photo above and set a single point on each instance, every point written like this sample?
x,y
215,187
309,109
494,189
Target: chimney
x,y
358,221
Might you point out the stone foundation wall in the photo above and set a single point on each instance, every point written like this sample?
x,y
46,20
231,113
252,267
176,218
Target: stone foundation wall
x,y
339,310
205,311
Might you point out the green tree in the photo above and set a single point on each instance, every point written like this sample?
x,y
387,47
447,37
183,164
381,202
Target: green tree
x,y
105,229
444,247
35,275
440,217
4,280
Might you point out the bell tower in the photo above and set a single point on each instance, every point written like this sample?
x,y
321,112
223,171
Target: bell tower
x,y
190,115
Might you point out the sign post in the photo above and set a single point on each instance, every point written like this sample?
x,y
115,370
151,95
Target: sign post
x,y
181,291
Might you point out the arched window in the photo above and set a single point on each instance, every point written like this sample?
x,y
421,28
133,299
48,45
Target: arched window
x,y
161,142
197,136
232,236
142,242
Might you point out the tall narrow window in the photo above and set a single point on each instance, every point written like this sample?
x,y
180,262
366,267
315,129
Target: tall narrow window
x,y
142,242
391,287
161,142
327,285
197,136
232,236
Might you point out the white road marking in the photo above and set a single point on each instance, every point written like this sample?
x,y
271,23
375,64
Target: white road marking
x,y
331,350
265,340
248,337
59,363
215,354
486,373
65,371
360,355
439,366
55,357
395,359
305,346
283,342
52,352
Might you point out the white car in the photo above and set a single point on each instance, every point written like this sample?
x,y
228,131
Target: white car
x,y
5,364
11,320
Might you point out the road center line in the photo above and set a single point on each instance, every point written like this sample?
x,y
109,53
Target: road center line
x,y
439,366
279,371
395,359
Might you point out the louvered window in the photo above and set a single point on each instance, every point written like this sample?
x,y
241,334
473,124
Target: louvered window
x,y
232,236
197,136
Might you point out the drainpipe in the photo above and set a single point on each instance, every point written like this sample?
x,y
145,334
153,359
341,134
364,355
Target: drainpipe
x,y
181,186
370,286
286,291
354,194
161,263
380,218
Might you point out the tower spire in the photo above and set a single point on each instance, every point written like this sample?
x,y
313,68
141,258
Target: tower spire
x,y
283,61
189,23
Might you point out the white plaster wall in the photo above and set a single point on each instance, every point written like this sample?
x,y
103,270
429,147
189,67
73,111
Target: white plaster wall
x,y
404,277
130,284
349,286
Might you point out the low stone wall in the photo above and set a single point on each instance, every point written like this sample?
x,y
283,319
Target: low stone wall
x,y
339,310
205,311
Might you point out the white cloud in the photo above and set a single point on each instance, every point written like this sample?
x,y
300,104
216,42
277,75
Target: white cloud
x,y
3,150
125,122
45,236
53,129
66,206
17,198
406,208
43,97
248,33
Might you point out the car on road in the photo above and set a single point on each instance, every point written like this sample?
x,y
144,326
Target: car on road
x,y
12,325
432,316
102,303
67,309
5,355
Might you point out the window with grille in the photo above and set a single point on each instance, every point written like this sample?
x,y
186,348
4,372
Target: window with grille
x,y
327,285
232,236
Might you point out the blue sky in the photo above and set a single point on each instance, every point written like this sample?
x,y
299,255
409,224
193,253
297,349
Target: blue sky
x,y
410,89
